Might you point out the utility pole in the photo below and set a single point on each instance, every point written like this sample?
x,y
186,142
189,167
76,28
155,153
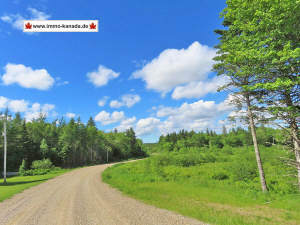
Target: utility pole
x,y
5,147
107,155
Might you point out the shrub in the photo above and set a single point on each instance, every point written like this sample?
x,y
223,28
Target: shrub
x,y
243,167
185,160
42,164
36,172
22,168
220,176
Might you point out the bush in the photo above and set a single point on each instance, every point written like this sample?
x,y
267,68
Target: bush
x,y
42,164
36,172
38,167
220,176
243,167
22,168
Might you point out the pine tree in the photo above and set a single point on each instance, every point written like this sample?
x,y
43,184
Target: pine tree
x,y
232,62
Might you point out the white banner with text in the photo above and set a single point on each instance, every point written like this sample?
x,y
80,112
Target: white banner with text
x,y
60,26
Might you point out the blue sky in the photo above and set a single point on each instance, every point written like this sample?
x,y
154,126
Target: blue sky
x,y
149,64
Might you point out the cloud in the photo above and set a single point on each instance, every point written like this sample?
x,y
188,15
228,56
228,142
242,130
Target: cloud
x,y
115,104
30,111
103,101
193,116
16,20
13,105
198,89
63,83
198,116
3,102
106,118
59,82
7,19
38,15
127,100
27,77
70,115
101,76
147,126
175,67
126,124
18,105
36,110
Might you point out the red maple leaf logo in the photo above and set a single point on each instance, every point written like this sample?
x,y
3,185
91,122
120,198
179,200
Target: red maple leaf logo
x,y
92,26
28,26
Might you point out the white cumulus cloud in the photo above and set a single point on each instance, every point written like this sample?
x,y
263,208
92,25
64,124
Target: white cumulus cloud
x,y
3,102
70,115
16,20
198,116
27,77
18,105
175,67
126,100
148,125
198,89
106,118
192,116
101,76
36,110
29,110
103,101
126,124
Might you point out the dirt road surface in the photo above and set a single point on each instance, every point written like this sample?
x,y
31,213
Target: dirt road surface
x,y
81,198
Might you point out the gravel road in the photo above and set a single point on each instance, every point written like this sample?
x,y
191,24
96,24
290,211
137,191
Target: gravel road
x,y
81,198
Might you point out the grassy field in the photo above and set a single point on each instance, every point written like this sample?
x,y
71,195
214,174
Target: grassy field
x,y
19,183
217,188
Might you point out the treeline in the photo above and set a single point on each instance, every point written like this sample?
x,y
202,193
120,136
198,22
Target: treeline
x,y
66,144
238,137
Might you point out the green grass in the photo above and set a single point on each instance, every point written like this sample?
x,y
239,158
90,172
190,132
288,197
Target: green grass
x,y
18,184
212,187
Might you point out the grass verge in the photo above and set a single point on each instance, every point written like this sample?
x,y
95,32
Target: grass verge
x,y
208,200
18,184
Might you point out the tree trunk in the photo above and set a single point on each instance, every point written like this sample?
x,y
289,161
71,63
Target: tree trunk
x,y
294,133
295,137
256,149
297,153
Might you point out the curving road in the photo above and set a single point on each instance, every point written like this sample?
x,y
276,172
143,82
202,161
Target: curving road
x,y
81,198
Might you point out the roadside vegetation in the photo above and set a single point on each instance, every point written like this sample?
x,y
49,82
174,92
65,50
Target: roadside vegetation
x,y
38,167
214,178
18,184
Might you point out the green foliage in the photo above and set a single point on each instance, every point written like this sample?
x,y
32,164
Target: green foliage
x,y
217,186
243,167
220,175
35,172
185,141
150,147
235,170
42,164
22,168
38,167
65,144
259,52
